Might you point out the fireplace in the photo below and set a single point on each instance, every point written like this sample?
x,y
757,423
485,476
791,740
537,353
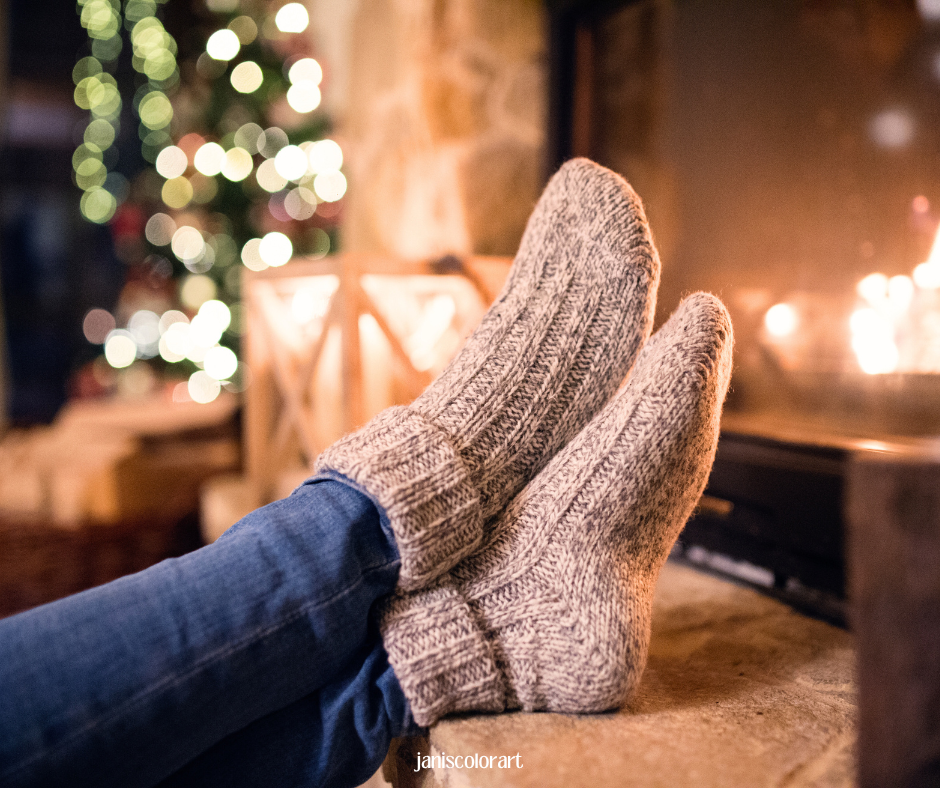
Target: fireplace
x,y
788,156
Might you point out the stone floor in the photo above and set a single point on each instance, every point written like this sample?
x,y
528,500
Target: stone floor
x,y
739,690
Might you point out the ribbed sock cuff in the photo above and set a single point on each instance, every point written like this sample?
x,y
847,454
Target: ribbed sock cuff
x,y
410,468
440,654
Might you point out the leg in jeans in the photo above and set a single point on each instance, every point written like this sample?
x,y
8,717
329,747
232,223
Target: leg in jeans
x,y
335,737
125,683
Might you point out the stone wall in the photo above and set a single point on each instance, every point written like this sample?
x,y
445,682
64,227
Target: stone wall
x,y
442,120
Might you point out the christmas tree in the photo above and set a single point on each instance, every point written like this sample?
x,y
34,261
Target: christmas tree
x,y
230,167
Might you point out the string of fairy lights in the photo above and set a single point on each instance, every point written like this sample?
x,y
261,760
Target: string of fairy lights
x,y
197,223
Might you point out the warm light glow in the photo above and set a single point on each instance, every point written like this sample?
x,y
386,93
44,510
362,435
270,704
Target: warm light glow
x,y
247,77
175,343
892,128
223,45
292,18
204,333
144,327
435,320
177,192
877,358
203,388
220,363
900,293
170,318
269,178
167,342
300,203
873,342
209,158
237,165
188,243
159,229
291,163
217,313
251,255
781,320
275,249
305,70
330,186
324,156
195,290
312,300
171,162
873,288
98,323
303,97
120,350
927,274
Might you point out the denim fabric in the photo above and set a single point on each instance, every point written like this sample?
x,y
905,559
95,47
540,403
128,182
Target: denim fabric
x,y
336,737
124,684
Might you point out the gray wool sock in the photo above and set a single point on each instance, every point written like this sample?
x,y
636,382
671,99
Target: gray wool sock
x,y
553,613
575,310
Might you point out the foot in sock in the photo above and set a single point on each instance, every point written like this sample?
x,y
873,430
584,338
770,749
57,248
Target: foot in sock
x,y
553,613
576,308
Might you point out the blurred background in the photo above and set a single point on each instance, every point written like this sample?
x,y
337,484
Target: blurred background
x,y
231,230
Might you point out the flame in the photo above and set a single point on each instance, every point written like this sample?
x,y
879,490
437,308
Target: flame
x,y
927,274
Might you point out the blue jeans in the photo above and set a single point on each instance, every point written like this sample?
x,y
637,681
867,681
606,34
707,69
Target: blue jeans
x,y
253,661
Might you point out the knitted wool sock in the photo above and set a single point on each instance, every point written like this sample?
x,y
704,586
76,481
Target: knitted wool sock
x,y
553,613
576,308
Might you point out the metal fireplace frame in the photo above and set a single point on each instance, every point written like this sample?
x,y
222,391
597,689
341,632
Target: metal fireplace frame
x,y
772,514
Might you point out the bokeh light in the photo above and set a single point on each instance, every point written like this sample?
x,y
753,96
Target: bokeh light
x,y
188,243
98,205
781,320
324,156
245,28
269,178
159,229
291,163
209,158
251,255
303,97
120,349
220,363
202,387
275,249
155,110
196,289
305,70
177,192
330,186
247,77
100,133
172,162
96,326
292,18
271,141
300,203
247,137
223,45
237,165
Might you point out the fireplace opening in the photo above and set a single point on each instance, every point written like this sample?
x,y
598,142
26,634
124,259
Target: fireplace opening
x,y
787,153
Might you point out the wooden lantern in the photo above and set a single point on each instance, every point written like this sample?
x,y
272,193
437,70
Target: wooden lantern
x,y
331,342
